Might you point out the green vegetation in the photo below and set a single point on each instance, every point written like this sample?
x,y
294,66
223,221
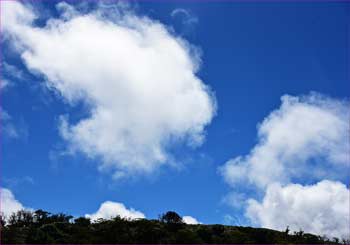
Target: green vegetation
x,y
43,227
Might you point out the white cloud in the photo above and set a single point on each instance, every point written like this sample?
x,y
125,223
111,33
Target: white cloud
x,y
306,140
14,15
306,137
190,220
110,210
322,208
138,79
8,203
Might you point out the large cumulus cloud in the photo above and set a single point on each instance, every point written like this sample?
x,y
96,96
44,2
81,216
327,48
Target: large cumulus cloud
x,y
137,78
302,153
305,137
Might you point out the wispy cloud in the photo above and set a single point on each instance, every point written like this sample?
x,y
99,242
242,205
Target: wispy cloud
x,y
187,19
16,181
7,128
4,83
12,71
186,16
12,129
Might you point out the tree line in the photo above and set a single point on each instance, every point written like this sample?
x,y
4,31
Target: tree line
x,y
43,227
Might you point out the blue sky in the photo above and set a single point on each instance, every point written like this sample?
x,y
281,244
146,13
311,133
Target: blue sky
x,y
251,54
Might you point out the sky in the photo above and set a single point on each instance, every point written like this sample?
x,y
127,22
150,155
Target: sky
x,y
225,112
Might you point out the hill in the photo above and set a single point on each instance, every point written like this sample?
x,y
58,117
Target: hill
x,y
43,227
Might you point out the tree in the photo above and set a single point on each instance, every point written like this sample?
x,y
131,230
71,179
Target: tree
x,y
2,220
287,230
60,218
171,217
21,218
41,216
82,221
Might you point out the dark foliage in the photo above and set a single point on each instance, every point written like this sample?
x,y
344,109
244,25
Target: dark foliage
x,y
171,217
43,227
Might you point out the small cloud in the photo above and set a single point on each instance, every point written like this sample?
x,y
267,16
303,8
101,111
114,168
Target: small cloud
x,y
186,20
190,220
111,209
67,11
